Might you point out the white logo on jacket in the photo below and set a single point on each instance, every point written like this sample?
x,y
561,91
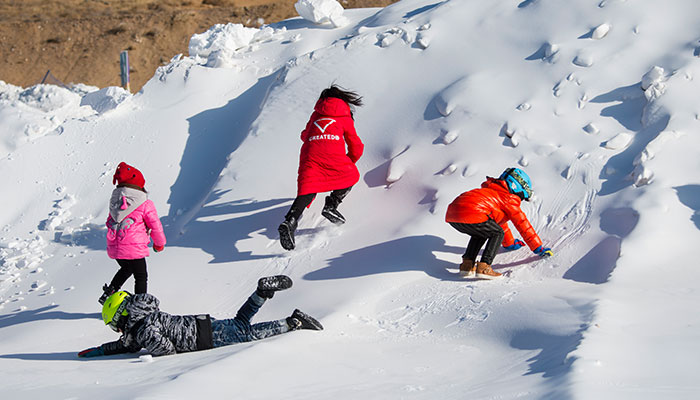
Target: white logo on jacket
x,y
328,122
321,137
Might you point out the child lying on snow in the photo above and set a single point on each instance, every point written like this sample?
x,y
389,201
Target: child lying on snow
x,y
143,325
484,214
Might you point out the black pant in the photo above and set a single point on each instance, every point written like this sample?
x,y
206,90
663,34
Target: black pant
x,y
488,232
131,267
303,201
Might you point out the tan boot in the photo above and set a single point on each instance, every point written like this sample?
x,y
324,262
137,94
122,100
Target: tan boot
x,y
467,268
484,271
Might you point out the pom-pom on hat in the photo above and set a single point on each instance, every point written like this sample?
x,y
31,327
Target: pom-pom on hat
x,y
128,175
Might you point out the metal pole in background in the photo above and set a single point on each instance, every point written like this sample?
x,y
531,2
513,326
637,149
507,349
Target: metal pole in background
x,y
124,64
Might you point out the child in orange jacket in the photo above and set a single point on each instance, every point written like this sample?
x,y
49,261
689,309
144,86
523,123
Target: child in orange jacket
x,y
484,214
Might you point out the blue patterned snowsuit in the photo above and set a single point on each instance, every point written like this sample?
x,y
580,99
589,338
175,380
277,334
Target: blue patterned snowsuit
x,y
161,333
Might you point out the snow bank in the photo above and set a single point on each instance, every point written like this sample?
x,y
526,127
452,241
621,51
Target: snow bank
x,y
48,98
37,111
218,37
450,97
321,11
105,99
221,43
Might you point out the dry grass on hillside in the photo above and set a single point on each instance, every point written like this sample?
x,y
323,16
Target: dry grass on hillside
x,y
80,40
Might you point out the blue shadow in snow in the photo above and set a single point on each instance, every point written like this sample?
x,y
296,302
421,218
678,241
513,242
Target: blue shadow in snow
x,y
539,54
619,221
628,110
595,267
423,9
213,135
43,313
376,177
219,238
431,111
553,361
65,356
689,195
412,253
527,3
630,102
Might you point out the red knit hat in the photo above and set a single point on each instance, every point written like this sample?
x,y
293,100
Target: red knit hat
x,y
126,174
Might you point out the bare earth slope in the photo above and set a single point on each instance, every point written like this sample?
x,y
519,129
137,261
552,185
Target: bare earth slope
x,y
79,41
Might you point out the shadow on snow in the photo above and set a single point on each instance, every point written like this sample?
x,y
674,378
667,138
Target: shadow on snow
x,y
219,238
404,254
628,112
213,135
41,314
689,195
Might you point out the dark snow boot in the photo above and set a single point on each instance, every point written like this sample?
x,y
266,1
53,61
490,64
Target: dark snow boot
x,y
286,230
108,291
268,285
300,320
330,211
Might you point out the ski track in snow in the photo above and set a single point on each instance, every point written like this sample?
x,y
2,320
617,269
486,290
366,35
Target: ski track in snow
x,y
455,309
567,222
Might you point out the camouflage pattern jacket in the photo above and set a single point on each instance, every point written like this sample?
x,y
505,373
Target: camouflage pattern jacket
x,y
158,332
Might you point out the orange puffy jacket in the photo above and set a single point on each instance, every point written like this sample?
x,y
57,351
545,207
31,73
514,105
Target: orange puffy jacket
x,y
493,200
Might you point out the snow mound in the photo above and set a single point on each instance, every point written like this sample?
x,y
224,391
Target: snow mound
x,y
105,99
321,11
48,98
35,112
220,44
450,97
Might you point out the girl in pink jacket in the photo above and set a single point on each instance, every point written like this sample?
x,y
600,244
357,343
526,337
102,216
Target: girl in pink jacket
x,y
132,223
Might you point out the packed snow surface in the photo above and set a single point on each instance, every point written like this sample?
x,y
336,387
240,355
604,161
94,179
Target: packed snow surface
x,y
596,100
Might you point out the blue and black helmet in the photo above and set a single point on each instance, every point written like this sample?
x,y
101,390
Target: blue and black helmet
x,y
518,183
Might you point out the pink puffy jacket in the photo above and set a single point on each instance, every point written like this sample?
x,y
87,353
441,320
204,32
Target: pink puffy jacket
x,y
129,239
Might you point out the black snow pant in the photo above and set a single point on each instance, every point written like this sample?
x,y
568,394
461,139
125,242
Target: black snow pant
x,y
488,232
303,201
131,267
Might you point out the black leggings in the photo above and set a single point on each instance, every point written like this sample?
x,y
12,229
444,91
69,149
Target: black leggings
x,y
131,267
303,201
488,232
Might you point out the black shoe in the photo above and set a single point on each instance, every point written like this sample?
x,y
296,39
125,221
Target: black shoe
x,y
286,230
268,285
333,215
300,320
330,210
108,291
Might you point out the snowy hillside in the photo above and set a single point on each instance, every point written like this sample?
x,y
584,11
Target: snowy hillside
x,y
596,99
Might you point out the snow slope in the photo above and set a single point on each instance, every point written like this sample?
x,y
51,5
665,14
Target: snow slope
x,y
454,91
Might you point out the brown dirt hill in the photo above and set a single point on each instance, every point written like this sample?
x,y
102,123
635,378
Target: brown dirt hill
x,y
79,41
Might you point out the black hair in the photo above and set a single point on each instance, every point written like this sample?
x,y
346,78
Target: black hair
x,y
352,98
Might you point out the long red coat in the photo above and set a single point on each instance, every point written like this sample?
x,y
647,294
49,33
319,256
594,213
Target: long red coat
x,y
324,162
493,200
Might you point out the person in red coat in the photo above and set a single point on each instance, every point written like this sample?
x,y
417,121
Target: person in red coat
x,y
327,161
484,214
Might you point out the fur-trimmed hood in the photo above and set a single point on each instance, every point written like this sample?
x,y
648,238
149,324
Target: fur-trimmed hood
x,y
124,201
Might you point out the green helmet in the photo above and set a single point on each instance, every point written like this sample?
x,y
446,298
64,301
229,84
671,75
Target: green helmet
x,y
114,309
